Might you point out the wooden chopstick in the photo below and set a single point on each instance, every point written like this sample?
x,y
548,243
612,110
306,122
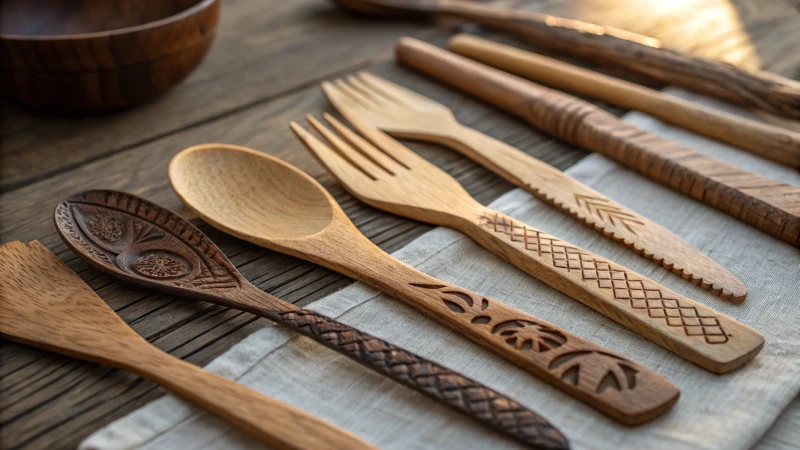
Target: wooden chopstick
x,y
769,141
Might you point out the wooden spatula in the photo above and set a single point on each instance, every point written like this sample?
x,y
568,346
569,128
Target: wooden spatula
x,y
45,304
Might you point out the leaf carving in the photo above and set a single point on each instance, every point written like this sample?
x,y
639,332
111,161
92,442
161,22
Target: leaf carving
x,y
529,335
598,371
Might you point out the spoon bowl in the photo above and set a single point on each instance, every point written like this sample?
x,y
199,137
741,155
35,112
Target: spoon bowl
x,y
267,198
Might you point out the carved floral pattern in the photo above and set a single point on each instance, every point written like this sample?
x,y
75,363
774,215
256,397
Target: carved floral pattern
x,y
626,287
160,265
139,239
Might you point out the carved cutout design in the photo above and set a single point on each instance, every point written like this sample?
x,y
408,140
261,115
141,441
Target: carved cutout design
x,y
522,334
140,239
625,286
579,367
603,210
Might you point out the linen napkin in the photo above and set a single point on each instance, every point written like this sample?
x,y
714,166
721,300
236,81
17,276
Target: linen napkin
x,y
730,411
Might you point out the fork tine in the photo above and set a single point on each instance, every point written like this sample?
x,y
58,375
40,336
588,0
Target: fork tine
x,y
397,92
341,169
382,141
355,95
368,91
367,165
368,150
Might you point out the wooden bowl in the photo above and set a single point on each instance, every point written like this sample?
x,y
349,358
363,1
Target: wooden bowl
x,y
78,56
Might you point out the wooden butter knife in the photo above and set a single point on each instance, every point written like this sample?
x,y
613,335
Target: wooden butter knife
x,y
769,205
406,114
45,304
137,241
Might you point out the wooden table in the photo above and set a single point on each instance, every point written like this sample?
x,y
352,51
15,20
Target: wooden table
x,y
263,71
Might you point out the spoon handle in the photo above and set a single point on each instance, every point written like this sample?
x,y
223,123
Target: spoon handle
x,y
706,337
443,385
615,385
271,421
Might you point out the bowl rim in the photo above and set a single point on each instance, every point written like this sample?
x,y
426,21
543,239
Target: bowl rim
x,y
197,7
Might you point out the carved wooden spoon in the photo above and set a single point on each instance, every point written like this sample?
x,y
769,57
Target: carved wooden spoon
x,y
132,239
270,203
47,305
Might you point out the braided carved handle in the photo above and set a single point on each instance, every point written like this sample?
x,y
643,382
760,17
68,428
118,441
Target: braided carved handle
x,y
463,394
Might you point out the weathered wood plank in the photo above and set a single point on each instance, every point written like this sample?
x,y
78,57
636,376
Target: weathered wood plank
x,y
55,401
264,49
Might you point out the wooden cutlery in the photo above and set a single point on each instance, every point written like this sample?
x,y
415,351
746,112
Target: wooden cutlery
x,y
130,238
775,143
47,305
388,176
268,202
407,114
769,205
611,46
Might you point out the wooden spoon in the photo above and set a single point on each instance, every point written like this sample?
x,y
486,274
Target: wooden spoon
x,y
270,203
140,242
47,305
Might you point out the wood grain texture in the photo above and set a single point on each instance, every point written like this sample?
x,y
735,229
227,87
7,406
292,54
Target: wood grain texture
x,y
270,203
772,142
244,93
406,114
47,305
611,46
140,242
81,56
57,402
756,200
398,181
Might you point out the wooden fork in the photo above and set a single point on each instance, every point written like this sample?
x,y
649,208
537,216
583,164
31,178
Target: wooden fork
x,y
404,113
397,180
45,304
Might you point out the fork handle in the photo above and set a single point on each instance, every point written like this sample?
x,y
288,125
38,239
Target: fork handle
x,y
441,384
769,205
710,339
611,383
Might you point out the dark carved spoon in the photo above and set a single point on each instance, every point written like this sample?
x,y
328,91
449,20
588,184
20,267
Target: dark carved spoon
x,y
132,239
611,47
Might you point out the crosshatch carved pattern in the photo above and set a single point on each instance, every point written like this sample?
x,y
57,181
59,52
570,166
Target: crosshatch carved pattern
x,y
625,286
440,383
590,370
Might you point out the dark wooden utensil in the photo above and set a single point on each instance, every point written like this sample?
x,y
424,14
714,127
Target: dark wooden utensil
x,y
767,204
132,239
77,56
45,304
611,46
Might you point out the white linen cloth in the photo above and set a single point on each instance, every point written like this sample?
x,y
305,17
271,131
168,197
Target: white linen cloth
x,y
730,411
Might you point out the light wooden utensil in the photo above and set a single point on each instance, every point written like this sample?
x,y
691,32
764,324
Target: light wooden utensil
x,y
611,47
45,304
397,180
767,204
404,113
268,202
775,143
135,240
